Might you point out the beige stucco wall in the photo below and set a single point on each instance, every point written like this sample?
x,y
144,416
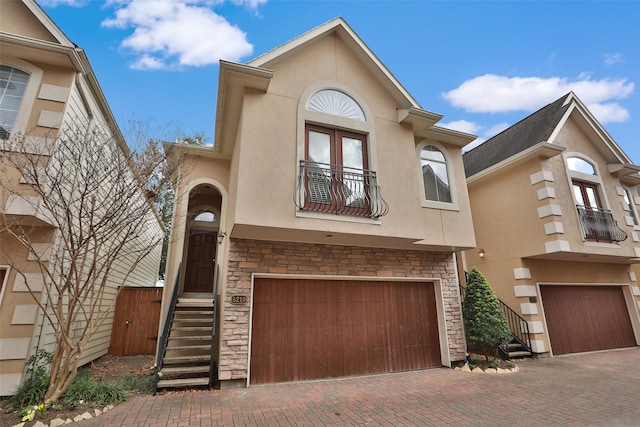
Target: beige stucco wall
x,y
509,221
265,158
17,19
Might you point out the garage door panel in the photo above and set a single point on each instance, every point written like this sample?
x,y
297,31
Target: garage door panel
x,y
338,328
586,318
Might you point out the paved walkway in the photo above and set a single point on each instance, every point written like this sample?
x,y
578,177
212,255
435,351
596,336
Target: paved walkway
x,y
597,389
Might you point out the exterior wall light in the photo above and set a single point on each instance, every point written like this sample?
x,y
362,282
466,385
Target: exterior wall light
x,y
481,252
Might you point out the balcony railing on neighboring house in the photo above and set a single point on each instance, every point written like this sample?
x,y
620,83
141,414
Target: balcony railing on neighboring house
x,y
599,225
339,190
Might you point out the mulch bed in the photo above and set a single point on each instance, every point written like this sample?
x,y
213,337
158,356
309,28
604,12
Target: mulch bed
x,y
107,368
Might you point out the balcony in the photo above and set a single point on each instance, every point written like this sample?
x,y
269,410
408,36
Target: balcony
x,y
339,190
598,225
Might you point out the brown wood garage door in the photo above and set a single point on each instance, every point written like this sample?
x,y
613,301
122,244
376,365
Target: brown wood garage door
x,y
309,329
586,318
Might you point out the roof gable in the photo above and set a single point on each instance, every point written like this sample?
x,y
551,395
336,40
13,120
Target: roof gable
x,y
530,131
32,23
339,27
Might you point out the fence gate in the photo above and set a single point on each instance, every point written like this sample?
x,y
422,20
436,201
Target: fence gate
x,y
135,324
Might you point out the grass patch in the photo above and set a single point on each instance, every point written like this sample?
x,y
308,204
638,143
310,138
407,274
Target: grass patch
x,y
84,389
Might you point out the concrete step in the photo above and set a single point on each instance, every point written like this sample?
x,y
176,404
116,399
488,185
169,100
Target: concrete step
x,y
179,322
190,338
183,313
188,347
183,382
184,370
175,360
524,353
191,328
194,302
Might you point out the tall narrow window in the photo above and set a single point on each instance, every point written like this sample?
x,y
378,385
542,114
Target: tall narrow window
x,y
628,206
13,84
435,175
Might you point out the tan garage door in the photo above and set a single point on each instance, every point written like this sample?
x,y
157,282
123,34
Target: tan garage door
x,y
309,329
586,318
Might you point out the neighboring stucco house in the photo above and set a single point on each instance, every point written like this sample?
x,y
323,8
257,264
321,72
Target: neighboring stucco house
x,y
555,210
46,86
325,217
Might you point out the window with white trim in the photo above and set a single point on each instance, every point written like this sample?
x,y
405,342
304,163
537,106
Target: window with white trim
x,y
334,175
13,84
596,222
435,174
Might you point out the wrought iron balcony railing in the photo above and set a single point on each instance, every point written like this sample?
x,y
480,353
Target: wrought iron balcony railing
x,y
339,190
599,225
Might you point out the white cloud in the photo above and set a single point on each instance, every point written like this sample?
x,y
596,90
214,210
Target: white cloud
x,y
146,62
473,128
610,112
176,33
492,93
613,58
462,126
495,129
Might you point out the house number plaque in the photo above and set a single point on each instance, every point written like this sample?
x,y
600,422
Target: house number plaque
x,y
239,299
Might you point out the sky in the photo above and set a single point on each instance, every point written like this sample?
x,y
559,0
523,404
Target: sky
x,y
484,65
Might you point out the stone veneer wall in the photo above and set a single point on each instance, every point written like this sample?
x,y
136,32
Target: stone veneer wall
x,y
249,256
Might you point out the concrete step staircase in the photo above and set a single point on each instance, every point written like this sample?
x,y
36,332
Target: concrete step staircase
x,y
187,359
514,350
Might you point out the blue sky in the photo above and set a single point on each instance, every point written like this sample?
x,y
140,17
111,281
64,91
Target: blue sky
x,y
484,65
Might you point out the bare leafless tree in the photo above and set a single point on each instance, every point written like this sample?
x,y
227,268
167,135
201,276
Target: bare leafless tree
x,y
93,199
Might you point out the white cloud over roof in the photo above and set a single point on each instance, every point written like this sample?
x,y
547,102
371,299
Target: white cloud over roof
x,y
171,34
491,93
474,128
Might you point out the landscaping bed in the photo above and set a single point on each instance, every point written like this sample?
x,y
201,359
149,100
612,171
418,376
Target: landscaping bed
x,y
99,385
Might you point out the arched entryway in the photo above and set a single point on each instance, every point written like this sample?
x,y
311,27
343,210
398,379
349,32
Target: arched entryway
x,y
202,240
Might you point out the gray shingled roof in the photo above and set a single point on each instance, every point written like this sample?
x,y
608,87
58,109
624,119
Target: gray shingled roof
x,y
525,134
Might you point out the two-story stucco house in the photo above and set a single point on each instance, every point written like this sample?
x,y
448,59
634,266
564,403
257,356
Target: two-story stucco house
x,y
325,218
555,211
47,86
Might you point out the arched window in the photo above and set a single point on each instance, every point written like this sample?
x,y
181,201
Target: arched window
x,y
13,84
205,216
435,174
336,103
577,164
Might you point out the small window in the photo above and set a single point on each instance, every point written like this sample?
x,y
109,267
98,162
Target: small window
x,y
335,103
628,206
13,84
579,165
205,216
435,175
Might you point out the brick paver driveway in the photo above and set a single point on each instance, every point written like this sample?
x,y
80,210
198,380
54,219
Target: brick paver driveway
x,y
597,389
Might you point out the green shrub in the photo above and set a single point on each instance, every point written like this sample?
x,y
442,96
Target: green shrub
x,y
31,392
142,384
85,390
485,324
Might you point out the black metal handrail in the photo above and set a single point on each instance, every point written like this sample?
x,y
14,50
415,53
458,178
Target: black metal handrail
x,y
517,324
519,328
340,190
599,225
212,361
164,339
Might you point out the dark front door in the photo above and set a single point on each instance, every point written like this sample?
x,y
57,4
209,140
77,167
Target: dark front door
x,y
201,260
